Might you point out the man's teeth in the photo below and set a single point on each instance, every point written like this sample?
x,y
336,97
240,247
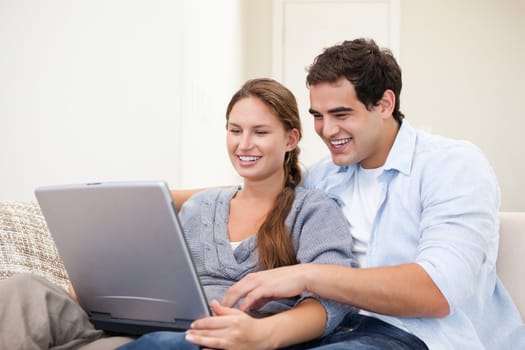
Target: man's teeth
x,y
248,158
340,142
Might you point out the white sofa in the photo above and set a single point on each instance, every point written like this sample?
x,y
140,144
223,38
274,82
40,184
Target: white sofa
x,y
511,256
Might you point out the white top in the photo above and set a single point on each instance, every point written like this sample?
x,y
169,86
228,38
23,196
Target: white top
x,y
365,197
235,244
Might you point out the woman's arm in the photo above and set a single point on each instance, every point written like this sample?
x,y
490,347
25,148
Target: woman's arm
x,y
234,329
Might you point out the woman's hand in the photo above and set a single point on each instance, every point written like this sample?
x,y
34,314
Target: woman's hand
x,y
230,329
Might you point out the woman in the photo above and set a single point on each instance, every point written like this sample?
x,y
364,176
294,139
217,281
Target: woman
x,y
266,223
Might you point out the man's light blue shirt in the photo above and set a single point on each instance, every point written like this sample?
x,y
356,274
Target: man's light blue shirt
x,y
439,209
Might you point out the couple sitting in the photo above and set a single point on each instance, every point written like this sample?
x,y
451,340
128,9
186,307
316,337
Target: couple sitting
x,y
418,212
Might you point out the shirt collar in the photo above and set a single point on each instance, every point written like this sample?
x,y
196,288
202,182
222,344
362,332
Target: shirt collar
x,y
399,158
401,154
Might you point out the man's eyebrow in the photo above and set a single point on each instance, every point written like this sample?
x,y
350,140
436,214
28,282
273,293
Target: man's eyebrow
x,y
340,110
333,110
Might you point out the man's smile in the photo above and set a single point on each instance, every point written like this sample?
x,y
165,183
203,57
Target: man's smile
x,y
340,143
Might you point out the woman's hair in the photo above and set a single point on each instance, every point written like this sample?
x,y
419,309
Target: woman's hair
x,y
274,244
370,69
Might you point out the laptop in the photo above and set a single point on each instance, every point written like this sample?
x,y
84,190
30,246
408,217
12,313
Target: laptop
x,y
126,255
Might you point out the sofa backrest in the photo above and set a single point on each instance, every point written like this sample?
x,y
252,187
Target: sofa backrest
x,y
511,256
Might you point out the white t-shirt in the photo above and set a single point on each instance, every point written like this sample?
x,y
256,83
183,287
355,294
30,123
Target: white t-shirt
x,y
361,208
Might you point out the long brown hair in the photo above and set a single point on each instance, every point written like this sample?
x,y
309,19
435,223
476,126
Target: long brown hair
x,y
274,244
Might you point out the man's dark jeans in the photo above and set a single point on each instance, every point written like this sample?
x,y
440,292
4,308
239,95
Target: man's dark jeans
x,y
360,332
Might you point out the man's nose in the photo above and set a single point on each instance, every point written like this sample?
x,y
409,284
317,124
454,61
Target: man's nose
x,y
330,127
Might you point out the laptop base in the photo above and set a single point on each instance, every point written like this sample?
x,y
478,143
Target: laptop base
x,y
130,327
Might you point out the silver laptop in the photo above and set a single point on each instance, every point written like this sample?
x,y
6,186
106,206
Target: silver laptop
x,y
125,253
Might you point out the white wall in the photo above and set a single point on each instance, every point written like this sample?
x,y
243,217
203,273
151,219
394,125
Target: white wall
x,y
100,90
212,73
463,68
136,89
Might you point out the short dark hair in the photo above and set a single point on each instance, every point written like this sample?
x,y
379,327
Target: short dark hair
x,y
372,71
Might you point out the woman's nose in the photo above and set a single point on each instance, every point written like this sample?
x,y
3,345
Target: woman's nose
x,y
245,142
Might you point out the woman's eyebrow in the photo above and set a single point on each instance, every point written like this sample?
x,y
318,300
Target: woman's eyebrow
x,y
251,126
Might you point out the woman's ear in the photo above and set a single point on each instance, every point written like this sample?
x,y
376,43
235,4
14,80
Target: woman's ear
x,y
293,139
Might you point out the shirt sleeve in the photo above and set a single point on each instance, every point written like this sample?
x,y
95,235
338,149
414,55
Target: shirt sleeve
x,y
322,236
459,222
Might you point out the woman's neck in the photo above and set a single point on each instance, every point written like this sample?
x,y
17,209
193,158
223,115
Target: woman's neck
x,y
249,207
267,189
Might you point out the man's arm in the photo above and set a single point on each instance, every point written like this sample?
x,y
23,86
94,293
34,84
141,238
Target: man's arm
x,y
181,196
403,290
72,292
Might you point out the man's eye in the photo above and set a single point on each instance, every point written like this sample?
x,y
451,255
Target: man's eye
x,y
317,116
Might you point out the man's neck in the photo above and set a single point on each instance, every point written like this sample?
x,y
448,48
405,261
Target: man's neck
x,y
389,134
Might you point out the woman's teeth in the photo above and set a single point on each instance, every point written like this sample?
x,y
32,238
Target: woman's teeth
x,y
248,158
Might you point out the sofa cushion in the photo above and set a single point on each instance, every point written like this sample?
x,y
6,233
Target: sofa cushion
x,y
510,261
26,244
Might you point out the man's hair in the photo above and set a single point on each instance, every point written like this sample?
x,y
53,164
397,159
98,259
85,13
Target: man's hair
x,y
370,69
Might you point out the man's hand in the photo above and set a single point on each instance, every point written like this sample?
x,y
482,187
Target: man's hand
x,y
260,287
230,329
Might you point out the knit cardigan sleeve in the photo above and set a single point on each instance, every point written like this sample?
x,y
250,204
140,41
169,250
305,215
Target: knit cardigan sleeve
x,y
321,235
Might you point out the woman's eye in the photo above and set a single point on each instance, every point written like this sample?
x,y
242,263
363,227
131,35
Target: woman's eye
x,y
235,131
261,132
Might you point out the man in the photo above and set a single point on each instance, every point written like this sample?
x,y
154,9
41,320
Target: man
x,y
423,212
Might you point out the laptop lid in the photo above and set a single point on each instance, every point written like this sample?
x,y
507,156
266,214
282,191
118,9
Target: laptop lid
x,y
125,253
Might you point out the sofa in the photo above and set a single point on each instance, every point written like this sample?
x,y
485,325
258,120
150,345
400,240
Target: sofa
x,y
27,246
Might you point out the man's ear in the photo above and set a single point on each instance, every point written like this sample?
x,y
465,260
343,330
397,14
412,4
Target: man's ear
x,y
293,139
387,102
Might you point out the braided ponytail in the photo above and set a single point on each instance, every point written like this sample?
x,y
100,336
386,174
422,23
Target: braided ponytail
x,y
274,243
